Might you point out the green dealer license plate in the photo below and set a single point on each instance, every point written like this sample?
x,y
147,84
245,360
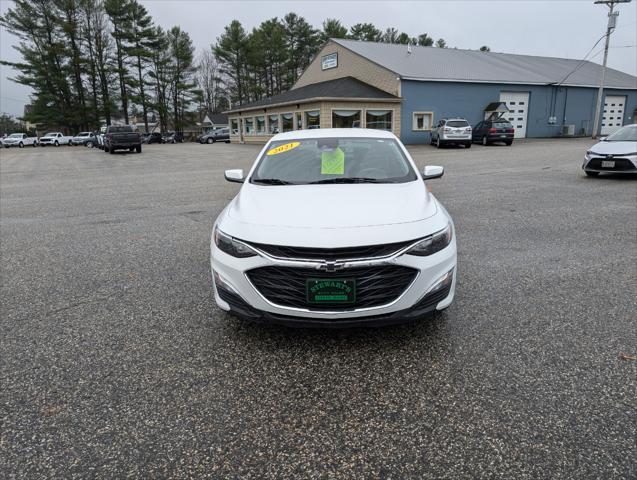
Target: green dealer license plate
x,y
331,290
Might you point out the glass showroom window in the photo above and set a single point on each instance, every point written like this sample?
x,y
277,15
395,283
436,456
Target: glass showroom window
x,y
286,122
313,119
249,125
234,126
346,118
260,124
298,119
378,119
274,124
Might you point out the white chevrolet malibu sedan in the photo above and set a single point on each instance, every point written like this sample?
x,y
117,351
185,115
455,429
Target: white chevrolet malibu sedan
x,y
333,228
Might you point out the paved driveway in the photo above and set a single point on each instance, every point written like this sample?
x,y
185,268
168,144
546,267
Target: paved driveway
x,y
115,362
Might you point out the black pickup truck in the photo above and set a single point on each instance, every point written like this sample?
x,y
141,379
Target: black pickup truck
x,y
122,138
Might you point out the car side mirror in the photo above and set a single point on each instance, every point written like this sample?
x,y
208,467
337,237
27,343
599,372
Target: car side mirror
x,y
432,171
234,175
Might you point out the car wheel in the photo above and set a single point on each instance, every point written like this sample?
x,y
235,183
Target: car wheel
x,y
57,144
508,144
139,149
591,174
438,143
210,140
21,145
467,145
89,144
485,142
34,144
227,141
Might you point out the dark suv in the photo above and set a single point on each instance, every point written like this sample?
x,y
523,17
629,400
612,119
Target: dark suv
x,y
154,137
122,138
491,131
218,135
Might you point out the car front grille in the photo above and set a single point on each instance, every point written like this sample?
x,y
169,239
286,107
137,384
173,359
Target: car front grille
x,y
375,286
331,254
621,164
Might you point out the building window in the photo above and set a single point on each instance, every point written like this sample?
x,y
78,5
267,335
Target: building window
x,y
298,120
260,124
422,121
346,118
249,125
234,126
274,124
286,122
378,119
313,119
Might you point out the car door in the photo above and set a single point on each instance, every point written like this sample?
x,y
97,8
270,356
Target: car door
x,y
476,131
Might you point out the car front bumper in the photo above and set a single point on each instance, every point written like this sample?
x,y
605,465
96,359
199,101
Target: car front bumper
x,y
621,163
235,292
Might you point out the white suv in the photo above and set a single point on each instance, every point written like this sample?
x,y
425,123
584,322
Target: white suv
x,y
452,131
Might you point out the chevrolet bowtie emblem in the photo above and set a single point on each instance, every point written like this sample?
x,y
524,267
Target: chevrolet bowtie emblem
x,y
331,266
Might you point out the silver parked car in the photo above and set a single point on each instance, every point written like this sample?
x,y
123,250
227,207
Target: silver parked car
x,y
616,153
452,131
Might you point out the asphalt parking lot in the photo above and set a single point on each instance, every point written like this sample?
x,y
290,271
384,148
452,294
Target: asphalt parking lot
x,y
115,362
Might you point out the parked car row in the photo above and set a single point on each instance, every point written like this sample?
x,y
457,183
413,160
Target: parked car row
x,y
457,131
218,135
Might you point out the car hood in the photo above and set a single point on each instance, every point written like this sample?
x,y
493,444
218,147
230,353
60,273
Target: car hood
x,y
614,148
325,215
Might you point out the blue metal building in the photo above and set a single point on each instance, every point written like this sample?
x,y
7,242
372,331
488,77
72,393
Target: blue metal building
x,y
412,88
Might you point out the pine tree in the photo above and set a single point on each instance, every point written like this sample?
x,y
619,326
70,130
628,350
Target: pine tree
x,y
231,52
119,12
425,40
183,85
333,28
139,39
365,31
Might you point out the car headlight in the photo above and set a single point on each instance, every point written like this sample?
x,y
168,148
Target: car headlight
x,y
433,243
229,245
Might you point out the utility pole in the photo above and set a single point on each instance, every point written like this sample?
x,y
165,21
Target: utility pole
x,y
612,21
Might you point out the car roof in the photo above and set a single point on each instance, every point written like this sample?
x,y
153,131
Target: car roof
x,y
454,118
333,132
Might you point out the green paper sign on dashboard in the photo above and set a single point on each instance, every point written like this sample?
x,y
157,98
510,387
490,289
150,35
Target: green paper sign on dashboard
x,y
333,163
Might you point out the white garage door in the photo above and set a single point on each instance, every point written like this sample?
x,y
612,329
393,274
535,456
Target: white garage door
x,y
518,104
613,113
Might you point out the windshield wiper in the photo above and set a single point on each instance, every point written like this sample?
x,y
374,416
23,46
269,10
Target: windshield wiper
x,y
348,180
271,181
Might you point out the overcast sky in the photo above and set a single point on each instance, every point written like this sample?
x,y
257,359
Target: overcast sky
x,y
559,28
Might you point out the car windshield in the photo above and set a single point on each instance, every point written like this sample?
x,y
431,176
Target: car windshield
x,y
457,123
50,134
333,160
83,134
15,135
120,129
624,134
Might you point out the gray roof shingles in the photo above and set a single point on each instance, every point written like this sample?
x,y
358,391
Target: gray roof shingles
x,y
448,64
346,87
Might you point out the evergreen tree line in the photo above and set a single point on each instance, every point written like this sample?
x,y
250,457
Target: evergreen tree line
x,y
91,62
269,59
96,61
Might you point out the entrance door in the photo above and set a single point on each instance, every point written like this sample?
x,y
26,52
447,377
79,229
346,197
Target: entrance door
x,y
518,105
613,114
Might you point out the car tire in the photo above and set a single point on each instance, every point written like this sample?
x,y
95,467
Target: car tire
x,y
57,144
467,145
227,141
438,143
485,142
591,174
138,149
34,144
89,144
21,145
210,140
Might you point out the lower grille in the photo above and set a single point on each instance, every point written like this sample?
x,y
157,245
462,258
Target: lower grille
x,y
621,164
375,286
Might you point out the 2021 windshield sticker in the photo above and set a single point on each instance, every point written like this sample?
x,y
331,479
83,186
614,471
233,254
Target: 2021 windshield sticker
x,y
333,162
283,148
